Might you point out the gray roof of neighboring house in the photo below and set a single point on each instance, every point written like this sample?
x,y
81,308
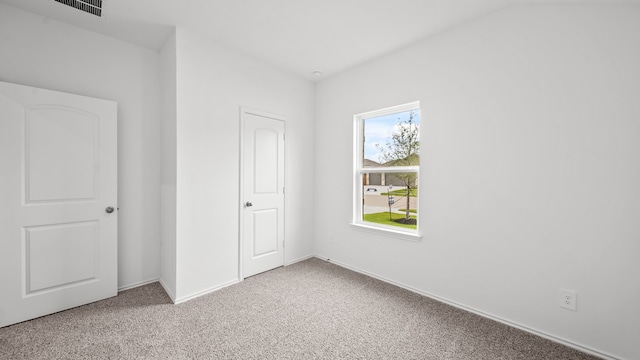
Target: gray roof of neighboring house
x,y
371,163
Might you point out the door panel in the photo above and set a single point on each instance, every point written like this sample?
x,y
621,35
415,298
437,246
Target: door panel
x,y
60,255
58,173
265,232
60,154
262,235
265,164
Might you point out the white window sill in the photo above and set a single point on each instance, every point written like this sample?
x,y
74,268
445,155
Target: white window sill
x,y
388,232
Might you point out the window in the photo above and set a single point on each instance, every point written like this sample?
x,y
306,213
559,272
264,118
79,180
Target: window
x,y
387,164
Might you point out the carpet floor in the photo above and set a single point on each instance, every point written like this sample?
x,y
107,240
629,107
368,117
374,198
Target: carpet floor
x,y
309,310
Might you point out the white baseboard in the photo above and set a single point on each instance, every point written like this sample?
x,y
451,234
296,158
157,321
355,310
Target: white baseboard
x,y
570,344
204,292
171,295
141,283
299,259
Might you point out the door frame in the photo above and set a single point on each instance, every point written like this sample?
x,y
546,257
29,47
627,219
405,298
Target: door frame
x,y
243,112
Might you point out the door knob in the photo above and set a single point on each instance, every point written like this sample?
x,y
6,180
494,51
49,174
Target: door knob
x,y
109,209
248,204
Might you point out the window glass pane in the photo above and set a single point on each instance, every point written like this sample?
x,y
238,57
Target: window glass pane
x,y
392,140
385,199
387,164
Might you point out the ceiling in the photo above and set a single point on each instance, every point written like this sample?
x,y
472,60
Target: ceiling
x,y
298,36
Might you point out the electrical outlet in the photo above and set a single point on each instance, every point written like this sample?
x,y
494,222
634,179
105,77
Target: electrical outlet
x,y
568,299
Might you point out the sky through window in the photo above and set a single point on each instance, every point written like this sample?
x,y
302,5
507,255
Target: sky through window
x,y
378,130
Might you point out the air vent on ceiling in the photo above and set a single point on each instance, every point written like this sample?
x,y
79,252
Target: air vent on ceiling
x,y
93,7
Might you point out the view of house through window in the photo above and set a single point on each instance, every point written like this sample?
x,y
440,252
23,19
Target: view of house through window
x,y
387,167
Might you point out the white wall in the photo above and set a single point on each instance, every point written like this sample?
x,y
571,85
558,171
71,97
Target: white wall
x,y
44,53
212,84
530,169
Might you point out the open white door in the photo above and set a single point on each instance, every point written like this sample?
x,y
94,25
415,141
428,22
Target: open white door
x,y
58,190
262,197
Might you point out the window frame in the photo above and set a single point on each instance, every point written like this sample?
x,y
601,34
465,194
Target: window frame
x,y
359,170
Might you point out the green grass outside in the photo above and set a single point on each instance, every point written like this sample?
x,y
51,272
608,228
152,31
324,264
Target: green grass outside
x,y
402,192
383,218
410,210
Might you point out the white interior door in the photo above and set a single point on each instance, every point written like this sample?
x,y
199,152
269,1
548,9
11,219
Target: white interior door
x,y
262,198
58,176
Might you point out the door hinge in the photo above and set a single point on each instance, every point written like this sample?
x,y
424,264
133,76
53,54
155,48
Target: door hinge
x,y
283,190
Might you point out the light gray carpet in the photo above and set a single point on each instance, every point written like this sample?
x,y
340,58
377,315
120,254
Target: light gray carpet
x,y
309,310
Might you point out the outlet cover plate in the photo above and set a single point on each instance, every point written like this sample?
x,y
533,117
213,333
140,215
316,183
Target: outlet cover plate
x,y
568,299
